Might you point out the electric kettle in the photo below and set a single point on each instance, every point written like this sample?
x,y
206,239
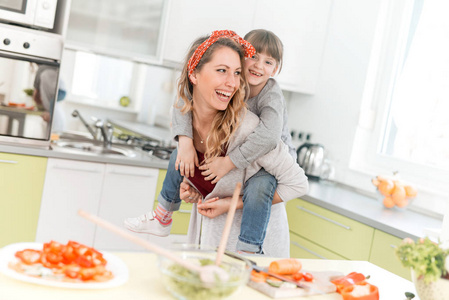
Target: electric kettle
x,y
312,158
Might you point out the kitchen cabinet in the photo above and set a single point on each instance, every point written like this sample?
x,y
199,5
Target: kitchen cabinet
x,y
127,191
383,254
301,25
130,29
181,218
69,186
316,232
341,235
189,20
21,184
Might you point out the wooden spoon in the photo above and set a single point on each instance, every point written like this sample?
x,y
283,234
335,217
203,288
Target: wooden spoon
x,y
227,227
208,274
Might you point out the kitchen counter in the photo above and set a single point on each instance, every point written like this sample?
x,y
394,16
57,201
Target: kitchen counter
x,y
370,211
333,196
145,283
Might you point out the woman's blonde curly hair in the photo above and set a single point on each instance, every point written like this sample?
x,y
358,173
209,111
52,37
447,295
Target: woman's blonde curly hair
x,y
227,121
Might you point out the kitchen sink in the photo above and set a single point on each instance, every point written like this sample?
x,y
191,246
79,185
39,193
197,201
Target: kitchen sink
x,y
93,148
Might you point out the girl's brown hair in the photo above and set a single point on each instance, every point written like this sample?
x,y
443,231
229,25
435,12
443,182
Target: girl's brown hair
x,y
265,41
227,121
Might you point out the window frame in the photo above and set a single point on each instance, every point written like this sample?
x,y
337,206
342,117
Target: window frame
x,y
386,58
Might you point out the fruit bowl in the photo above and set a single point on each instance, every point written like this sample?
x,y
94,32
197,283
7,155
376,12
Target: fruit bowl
x,y
394,193
185,284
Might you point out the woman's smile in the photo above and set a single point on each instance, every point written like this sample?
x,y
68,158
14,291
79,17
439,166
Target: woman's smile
x,y
219,79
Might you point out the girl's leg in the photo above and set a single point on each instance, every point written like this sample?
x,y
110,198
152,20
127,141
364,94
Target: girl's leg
x,y
158,222
258,195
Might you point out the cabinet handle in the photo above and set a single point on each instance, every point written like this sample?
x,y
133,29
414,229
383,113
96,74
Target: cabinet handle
x,y
308,250
8,161
323,217
76,169
130,174
184,211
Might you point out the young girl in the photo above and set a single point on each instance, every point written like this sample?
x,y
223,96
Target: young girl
x,y
266,101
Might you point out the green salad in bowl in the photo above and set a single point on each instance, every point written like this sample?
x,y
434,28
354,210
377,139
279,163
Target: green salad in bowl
x,y
186,284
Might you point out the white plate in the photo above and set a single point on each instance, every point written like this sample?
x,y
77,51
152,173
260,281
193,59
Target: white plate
x,y
115,265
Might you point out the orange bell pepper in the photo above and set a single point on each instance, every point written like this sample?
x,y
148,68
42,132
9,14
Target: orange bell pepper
x,y
348,292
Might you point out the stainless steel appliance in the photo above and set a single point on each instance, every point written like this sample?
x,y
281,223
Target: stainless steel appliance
x,y
313,159
29,73
32,13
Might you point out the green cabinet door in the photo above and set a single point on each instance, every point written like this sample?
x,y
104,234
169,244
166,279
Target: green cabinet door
x,y
302,248
383,254
339,234
21,184
181,218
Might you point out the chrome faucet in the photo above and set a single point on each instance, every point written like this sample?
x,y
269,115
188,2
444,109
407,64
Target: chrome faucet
x,y
75,114
106,131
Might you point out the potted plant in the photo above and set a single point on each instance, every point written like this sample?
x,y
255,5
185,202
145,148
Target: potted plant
x,y
429,263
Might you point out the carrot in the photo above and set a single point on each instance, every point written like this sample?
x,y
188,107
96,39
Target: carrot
x,y
258,276
286,266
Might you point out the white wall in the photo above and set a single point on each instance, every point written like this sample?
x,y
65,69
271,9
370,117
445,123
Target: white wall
x,y
331,114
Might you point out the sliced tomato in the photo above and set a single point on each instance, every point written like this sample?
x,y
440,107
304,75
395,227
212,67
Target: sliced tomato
x,y
29,256
88,273
84,262
53,247
298,276
307,276
72,271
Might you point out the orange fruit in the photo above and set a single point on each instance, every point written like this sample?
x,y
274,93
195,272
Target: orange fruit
x,y
403,202
386,187
388,202
410,191
398,194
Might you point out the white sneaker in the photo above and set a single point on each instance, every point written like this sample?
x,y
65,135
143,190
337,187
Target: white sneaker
x,y
147,223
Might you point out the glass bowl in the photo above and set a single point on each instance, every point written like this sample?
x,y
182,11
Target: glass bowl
x,y
186,285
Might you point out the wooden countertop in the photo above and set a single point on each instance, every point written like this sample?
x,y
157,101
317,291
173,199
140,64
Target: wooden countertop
x,y
144,282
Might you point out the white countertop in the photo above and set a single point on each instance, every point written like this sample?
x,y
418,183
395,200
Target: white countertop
x,y
145,283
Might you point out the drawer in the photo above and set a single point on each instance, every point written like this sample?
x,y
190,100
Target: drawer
x,y
383,254
302,248
181,218
342,235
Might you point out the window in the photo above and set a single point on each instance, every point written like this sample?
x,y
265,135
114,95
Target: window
x,y
404,124
102,78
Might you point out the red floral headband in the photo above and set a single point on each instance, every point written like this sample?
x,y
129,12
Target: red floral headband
x,y
218,34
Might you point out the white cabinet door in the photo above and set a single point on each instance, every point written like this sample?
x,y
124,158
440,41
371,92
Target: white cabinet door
x,y
69,186
127,192
188,20
302,27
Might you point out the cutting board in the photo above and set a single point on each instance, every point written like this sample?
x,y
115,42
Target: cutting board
x,y
320,285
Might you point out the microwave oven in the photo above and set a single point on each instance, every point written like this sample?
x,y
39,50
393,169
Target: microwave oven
x,y
38,14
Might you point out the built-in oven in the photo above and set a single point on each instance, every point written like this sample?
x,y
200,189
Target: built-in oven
x,y
32,13
29,73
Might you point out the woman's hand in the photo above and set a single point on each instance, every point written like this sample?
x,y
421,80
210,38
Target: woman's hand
x,y
215,206
187,158
215,168
188,193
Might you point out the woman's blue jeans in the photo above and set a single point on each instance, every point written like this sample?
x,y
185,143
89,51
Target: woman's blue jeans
x,y
258,193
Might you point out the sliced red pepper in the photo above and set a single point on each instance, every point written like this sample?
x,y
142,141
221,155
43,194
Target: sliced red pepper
x,y
29,256
348,280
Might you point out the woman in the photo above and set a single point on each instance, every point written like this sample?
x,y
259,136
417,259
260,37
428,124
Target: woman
x,y
212,86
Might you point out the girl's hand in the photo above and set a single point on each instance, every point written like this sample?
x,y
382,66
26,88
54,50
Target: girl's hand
x,y
188,193
186,160
214,169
